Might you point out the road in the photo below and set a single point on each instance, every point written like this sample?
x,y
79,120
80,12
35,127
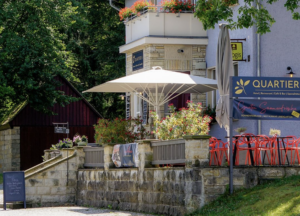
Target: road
x,y
67,211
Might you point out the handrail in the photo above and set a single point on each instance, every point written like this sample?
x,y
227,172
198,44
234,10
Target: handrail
x,y
156,9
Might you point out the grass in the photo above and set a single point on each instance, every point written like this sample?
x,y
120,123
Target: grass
x,y
279,197
1,178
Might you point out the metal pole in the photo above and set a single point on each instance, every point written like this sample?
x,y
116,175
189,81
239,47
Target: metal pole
x,y
68,157
258,66
156,109
230,138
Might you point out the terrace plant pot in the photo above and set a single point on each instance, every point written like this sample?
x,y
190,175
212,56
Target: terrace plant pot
x,y
82,143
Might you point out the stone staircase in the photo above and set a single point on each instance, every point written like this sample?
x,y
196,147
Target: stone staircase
x,y
52,182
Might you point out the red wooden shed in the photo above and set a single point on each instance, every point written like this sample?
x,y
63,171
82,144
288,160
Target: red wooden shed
x,y
37,129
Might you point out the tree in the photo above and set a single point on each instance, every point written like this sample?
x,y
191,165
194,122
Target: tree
x,y
33,52
76,39
95,45
210,12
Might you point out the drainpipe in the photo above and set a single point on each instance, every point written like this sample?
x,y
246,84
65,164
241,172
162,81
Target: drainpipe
x,y
258,66
113,6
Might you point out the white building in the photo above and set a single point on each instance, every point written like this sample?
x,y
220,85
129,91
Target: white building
x,y
178,42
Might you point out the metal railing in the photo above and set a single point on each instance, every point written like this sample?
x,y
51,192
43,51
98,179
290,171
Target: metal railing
x,y
169,152
155,9
94,157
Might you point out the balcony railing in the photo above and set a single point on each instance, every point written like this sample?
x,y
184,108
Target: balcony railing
x,y
94,157
169,152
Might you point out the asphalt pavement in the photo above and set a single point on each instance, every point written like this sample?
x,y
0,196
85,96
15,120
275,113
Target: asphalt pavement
x,y
63,211
67,211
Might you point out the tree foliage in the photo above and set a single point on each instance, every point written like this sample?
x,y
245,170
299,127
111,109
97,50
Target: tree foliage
x,y
76,39
33,52
95,46
251,13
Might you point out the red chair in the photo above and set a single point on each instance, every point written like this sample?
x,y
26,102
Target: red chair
x,y
213,143
297,148
264,145
247,142
289,144
222,150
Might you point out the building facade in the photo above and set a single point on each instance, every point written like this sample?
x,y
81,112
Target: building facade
x,y
276,51
160,36
26,133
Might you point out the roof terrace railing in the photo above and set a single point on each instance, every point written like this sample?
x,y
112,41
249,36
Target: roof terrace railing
x,y
153,9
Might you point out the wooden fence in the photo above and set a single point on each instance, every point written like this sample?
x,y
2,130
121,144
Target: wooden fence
x,y
94,157
169,152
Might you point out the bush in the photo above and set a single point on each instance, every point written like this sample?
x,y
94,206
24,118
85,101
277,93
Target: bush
x,y
188,121
119,131
210,112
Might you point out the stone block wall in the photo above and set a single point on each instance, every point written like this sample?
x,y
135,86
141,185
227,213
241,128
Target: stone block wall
x,y
10,150
155,190
54,182
167,191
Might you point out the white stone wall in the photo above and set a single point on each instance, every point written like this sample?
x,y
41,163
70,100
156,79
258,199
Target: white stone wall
x,y
10,149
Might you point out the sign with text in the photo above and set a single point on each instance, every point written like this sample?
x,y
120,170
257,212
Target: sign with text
x,y
62,130
266,109
266,87
237,51
137,60
13,187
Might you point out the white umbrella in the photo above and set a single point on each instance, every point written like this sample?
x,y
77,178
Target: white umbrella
x,y
168,84
224,70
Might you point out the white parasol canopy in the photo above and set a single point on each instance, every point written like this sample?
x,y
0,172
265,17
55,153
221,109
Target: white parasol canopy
x,y
160,85
224,69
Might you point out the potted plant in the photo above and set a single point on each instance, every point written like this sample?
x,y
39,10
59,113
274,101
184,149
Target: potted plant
x,y
140,6
77,138
125,13
241,130
84,141
176,6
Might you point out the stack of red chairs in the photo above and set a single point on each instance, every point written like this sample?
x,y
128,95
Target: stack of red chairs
x,y
247,142
265,145
218,149
213,145
289,143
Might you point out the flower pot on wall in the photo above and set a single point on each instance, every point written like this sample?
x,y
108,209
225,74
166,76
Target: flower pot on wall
x,y
82,143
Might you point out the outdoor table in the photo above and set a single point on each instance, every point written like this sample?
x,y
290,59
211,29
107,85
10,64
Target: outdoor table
x,y
249,146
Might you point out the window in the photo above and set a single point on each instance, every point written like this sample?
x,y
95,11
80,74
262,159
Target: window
x,y
137,106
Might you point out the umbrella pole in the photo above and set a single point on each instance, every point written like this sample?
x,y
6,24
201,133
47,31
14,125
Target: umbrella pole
x,y
156,109
230,139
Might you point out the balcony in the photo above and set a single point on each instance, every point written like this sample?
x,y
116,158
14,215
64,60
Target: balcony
x,y
153,27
